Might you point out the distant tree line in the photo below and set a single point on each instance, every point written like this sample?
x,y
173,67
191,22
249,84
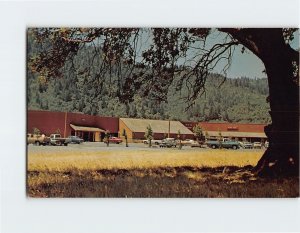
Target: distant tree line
x,y
237,100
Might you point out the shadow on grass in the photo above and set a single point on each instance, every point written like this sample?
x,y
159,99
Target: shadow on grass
x,y
181,181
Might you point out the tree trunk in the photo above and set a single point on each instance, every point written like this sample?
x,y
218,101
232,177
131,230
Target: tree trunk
x,y
282,68
282,156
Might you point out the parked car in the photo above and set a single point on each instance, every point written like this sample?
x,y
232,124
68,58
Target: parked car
x,y
225,143
153,141
187,142
257,145
115,140
197,144
266,144
168,142
246,145
57,140
75,139
38,139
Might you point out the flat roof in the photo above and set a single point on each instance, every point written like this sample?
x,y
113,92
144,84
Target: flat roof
x,y
158,126
236,134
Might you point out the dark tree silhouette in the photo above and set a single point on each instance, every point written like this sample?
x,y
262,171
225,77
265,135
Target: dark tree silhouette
x,y
149,66
282,68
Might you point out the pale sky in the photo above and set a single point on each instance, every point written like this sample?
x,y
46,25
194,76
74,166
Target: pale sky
x,y
247,64
243,64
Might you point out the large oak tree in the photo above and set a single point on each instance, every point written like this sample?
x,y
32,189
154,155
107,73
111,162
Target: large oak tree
x,y
149,60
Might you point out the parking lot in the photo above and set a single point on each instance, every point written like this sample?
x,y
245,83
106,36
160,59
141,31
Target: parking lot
x,y
101,146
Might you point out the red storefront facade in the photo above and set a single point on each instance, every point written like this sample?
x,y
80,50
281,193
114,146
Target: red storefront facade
x,y
238,131
92,128
60,122
241,127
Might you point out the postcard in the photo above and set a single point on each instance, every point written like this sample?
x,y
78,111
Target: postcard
x,y
162,112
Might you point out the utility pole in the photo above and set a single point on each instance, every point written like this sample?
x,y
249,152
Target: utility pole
x,y
65,124
169,128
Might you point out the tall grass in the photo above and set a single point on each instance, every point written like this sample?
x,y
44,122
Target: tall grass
x,y
62,161
152,173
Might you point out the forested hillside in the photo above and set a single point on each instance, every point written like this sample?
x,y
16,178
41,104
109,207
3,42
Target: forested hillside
x,y
237,100
79,90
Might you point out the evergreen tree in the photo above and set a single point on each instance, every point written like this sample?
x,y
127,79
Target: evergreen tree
x,y
149,134
197,130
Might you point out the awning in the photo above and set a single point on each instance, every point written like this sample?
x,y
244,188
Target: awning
x,y
86,129
236,134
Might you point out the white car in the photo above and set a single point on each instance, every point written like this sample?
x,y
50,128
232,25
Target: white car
x,y
246,145
187,142
266,144
153,141
257,145
168,142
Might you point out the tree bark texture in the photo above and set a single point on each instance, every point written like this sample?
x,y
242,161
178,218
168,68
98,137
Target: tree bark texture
x,y
282,156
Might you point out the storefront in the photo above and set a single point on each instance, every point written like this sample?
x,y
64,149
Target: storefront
x,y
88,134
237,136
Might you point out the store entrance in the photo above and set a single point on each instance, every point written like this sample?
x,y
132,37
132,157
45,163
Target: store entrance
x,y
88,136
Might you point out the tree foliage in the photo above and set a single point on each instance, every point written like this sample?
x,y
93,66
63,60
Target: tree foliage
x,y
197,130
137,65
149,134
36,131
106,137
146,68
124,134
237,100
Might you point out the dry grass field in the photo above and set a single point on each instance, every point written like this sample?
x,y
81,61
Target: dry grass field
x,y
151,173
139,159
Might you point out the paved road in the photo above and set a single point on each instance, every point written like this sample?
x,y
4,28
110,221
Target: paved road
x,y
100,146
